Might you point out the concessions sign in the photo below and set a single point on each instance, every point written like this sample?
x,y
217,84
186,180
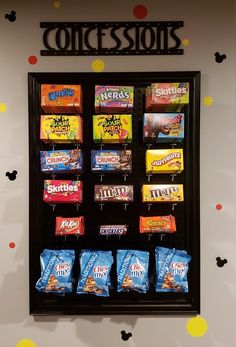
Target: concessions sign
x,y
111,38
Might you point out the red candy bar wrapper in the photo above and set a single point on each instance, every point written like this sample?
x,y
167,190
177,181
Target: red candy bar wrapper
x,y
63,191
113,193
112,230
69,226
157,224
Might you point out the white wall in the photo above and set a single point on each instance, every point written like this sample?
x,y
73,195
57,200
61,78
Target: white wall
x,y
209,26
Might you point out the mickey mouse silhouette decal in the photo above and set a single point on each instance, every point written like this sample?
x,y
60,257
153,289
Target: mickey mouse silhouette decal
x,y
125,336
11,175
11,16
219,57
221,262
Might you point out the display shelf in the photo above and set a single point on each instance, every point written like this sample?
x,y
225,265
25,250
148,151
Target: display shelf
x,y
42,216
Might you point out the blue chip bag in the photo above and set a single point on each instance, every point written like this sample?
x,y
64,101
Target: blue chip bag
x,y
132,271
56,267
95,267
172,268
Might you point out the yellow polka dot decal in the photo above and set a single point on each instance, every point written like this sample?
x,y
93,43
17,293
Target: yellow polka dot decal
x,y
57,4
197,327
208,100
98,65
3,107
185,42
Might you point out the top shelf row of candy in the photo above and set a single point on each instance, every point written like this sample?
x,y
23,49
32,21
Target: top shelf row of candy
x,y
159,97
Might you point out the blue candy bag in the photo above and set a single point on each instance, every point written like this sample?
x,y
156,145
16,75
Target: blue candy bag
x,y
95,267
56,267
171,268
132,271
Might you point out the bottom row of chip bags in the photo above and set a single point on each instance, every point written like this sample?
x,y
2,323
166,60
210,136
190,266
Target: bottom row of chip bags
x,y
95,266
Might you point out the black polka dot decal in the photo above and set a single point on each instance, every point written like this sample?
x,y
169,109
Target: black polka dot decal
x,y
11,175
125,336
221,262
219,57
11,16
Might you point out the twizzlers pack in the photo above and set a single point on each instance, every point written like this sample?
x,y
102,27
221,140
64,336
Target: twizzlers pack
x,y
63,191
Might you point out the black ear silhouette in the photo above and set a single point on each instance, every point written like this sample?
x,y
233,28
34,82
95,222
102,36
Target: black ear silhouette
x,y
11,16
221,262
219,57
125,336
11,175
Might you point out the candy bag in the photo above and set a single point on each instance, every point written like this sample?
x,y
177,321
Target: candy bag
x,y
56,267
132,270
95,267
171,267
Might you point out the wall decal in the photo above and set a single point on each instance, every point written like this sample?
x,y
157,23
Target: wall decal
x,y
185,42
11,175
126,38
140,11
11,16
98,65
3,107
57,4
197,326
221,262
33,60
219,207
208,101
12,245
125,336
26,343
219,57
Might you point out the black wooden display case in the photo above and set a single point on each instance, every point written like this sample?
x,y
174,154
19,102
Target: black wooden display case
x,y
187,214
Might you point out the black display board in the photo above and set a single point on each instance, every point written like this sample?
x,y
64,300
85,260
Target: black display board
x,y
187,214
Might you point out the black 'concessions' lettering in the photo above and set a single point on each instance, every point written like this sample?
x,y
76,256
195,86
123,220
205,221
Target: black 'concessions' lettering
x,y
111,38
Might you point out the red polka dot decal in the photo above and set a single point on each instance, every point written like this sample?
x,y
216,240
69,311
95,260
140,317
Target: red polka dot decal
x,y
219,207
32,60
140,11
12,245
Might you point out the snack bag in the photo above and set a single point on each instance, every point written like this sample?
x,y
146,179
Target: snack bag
x,y
113,193
56,267
162,193
132,270
109,230
95,267
62,191
171,268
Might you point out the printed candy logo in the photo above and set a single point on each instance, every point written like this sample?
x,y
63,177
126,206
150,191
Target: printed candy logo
x,y
137,270
60,94
60,126
100,271
165,121
61,188
156,193
114,192
60,159
114,95
107,159
112,125
166,159
179,268
171,91
69,224
62,269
